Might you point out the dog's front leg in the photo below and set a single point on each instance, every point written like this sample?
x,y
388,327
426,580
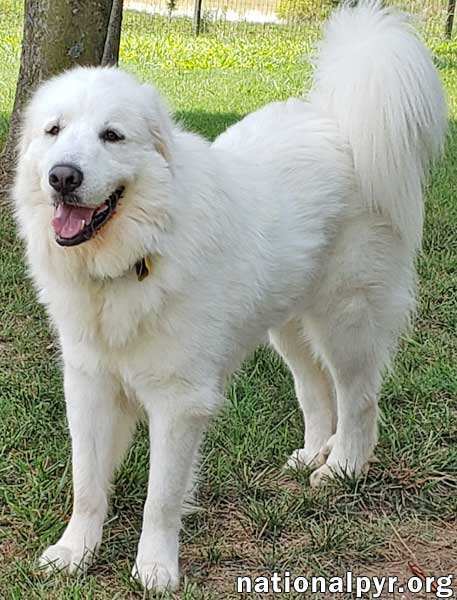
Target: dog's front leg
x,y
100,430
175,434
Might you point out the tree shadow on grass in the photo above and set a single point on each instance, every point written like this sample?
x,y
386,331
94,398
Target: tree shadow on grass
x,y
4,126
210,125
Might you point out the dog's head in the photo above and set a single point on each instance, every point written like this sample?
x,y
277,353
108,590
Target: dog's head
x,y
95,163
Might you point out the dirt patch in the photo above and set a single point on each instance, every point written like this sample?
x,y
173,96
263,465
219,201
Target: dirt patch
x,y
432,554
9,550
216,562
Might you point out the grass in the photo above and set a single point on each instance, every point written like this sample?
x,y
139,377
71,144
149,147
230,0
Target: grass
x,y
254,518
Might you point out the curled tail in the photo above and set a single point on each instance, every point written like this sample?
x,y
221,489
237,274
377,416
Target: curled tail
x,y
377,79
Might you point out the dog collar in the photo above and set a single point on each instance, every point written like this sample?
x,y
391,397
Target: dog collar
x,y
144,267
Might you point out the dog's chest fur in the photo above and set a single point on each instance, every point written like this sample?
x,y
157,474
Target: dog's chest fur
x,y
108,316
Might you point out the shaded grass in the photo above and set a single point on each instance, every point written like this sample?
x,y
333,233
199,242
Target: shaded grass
x,y
254,518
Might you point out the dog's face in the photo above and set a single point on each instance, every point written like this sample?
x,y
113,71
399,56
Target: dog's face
x,y
93,141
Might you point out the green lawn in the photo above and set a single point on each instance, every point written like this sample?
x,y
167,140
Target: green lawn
x,y
253,517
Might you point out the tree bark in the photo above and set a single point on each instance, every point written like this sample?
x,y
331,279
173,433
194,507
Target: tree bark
x,y
59,34
113,35
450,18
197,16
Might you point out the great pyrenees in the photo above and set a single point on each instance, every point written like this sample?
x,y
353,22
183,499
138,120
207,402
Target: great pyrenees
x,y
163,260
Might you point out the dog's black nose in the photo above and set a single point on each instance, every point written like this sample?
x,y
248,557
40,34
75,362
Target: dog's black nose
x,y
65,178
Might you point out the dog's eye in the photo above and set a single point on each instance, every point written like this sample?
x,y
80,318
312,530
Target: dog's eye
x,y
109,135
55,129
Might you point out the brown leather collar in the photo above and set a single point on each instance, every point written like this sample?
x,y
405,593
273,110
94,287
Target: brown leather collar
x,y
144,267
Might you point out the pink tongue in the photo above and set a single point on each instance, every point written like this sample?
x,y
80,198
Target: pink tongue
x,y
69,220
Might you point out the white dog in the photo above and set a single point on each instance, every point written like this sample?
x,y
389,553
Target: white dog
x,y
163,260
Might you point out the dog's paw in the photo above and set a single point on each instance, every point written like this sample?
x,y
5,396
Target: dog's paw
x,y
322,476
155,576
302,458
340,464
326,473
64,558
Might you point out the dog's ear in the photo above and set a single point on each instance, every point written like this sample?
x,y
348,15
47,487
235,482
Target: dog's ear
x,y
160,123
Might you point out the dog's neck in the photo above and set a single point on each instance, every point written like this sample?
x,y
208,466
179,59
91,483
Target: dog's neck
x,y
142,269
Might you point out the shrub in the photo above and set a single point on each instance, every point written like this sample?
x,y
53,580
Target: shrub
x,y
304,10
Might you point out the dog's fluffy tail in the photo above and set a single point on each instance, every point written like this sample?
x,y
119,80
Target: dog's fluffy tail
x,y
377,79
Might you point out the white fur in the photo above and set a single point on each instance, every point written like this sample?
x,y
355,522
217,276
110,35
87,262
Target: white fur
x,y
376,79
298,223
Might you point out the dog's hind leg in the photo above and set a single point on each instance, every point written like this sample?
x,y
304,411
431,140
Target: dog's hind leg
x,y
356,338
314,391
101,429
356,369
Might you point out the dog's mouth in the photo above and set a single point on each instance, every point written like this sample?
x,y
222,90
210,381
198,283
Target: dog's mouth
x,y
74,224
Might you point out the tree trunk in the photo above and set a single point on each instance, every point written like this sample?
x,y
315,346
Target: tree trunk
x,y
197,16
59,34
450,18
113,35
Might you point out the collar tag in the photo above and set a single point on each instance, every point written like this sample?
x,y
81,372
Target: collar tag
x,y
144,267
